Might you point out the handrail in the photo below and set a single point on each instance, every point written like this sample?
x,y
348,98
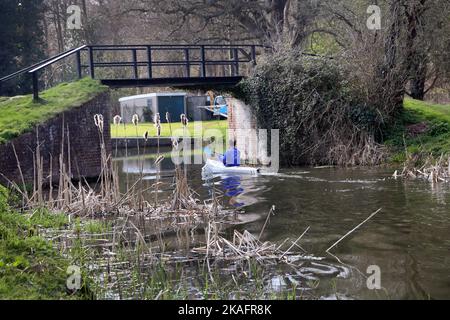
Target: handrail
x,y
64,55
17,73
178,45
40,65
248,51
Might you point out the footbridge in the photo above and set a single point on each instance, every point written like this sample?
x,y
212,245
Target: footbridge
x,y
124,66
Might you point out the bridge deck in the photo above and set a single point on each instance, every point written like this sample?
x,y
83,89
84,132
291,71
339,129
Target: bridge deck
x,y
182,82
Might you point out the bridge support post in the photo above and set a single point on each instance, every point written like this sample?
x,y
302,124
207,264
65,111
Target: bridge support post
x,y
35,87
91,63
149,62
203,61
78,59
135,66
188,62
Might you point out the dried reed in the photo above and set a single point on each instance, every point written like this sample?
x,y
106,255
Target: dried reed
x,y
432,170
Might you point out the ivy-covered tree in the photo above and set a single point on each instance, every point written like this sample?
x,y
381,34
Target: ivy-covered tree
x,y
21,41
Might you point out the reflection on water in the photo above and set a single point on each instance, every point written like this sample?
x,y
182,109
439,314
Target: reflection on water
x,y
232,187
135,166
409,239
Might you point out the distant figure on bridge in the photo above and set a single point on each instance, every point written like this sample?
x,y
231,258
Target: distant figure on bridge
x,y
232,157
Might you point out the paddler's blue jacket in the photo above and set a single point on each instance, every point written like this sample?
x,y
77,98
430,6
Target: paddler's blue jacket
x,y
232,158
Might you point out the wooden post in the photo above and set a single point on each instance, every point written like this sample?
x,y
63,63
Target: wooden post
x,y
236,61
78,58
135,66
188,63
254,55
230,58
35,87
149,62
91,63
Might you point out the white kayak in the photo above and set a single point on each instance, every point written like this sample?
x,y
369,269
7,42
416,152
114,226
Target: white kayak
x,y
217,167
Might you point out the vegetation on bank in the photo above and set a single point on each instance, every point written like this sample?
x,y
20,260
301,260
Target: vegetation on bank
x,y
20,114
30,267
132,131
422,130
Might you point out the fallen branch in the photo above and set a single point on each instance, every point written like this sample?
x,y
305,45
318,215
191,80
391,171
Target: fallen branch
x,y
351,231
294,243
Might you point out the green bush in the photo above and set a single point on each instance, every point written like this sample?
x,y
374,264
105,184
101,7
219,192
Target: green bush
x,y
148,115
322,118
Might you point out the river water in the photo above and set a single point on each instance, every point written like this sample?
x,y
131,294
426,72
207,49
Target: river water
x,y
408,240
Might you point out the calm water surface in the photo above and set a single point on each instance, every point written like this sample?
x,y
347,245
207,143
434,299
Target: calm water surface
x,y
409,239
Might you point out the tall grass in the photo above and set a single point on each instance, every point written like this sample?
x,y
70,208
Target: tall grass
x,y
129,252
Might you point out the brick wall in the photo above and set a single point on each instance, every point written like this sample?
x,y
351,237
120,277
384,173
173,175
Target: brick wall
x,y
243,127
80,133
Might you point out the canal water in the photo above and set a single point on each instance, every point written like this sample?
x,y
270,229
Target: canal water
x,y
408,240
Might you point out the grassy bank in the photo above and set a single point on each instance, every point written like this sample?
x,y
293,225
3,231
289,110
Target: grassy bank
x,y
422,130
129,130
20,114
30,267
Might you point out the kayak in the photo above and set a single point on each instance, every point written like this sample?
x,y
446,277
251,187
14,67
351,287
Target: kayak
x,y
217,167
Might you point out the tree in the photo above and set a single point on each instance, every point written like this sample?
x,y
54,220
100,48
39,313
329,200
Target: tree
x,y
22,39
428,29
8,47
265,21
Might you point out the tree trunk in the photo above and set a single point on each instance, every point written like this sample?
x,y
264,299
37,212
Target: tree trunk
x,y
418,81
278,14
417,56
392,78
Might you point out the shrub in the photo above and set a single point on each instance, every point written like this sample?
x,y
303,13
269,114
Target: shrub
x,y
321,117
147,114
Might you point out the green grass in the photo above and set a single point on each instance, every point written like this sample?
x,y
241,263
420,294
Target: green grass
x,y
20,114
428,111
97,226
30,267
129,130
435,141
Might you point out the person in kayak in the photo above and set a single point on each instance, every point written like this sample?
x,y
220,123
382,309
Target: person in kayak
x,y
232,157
